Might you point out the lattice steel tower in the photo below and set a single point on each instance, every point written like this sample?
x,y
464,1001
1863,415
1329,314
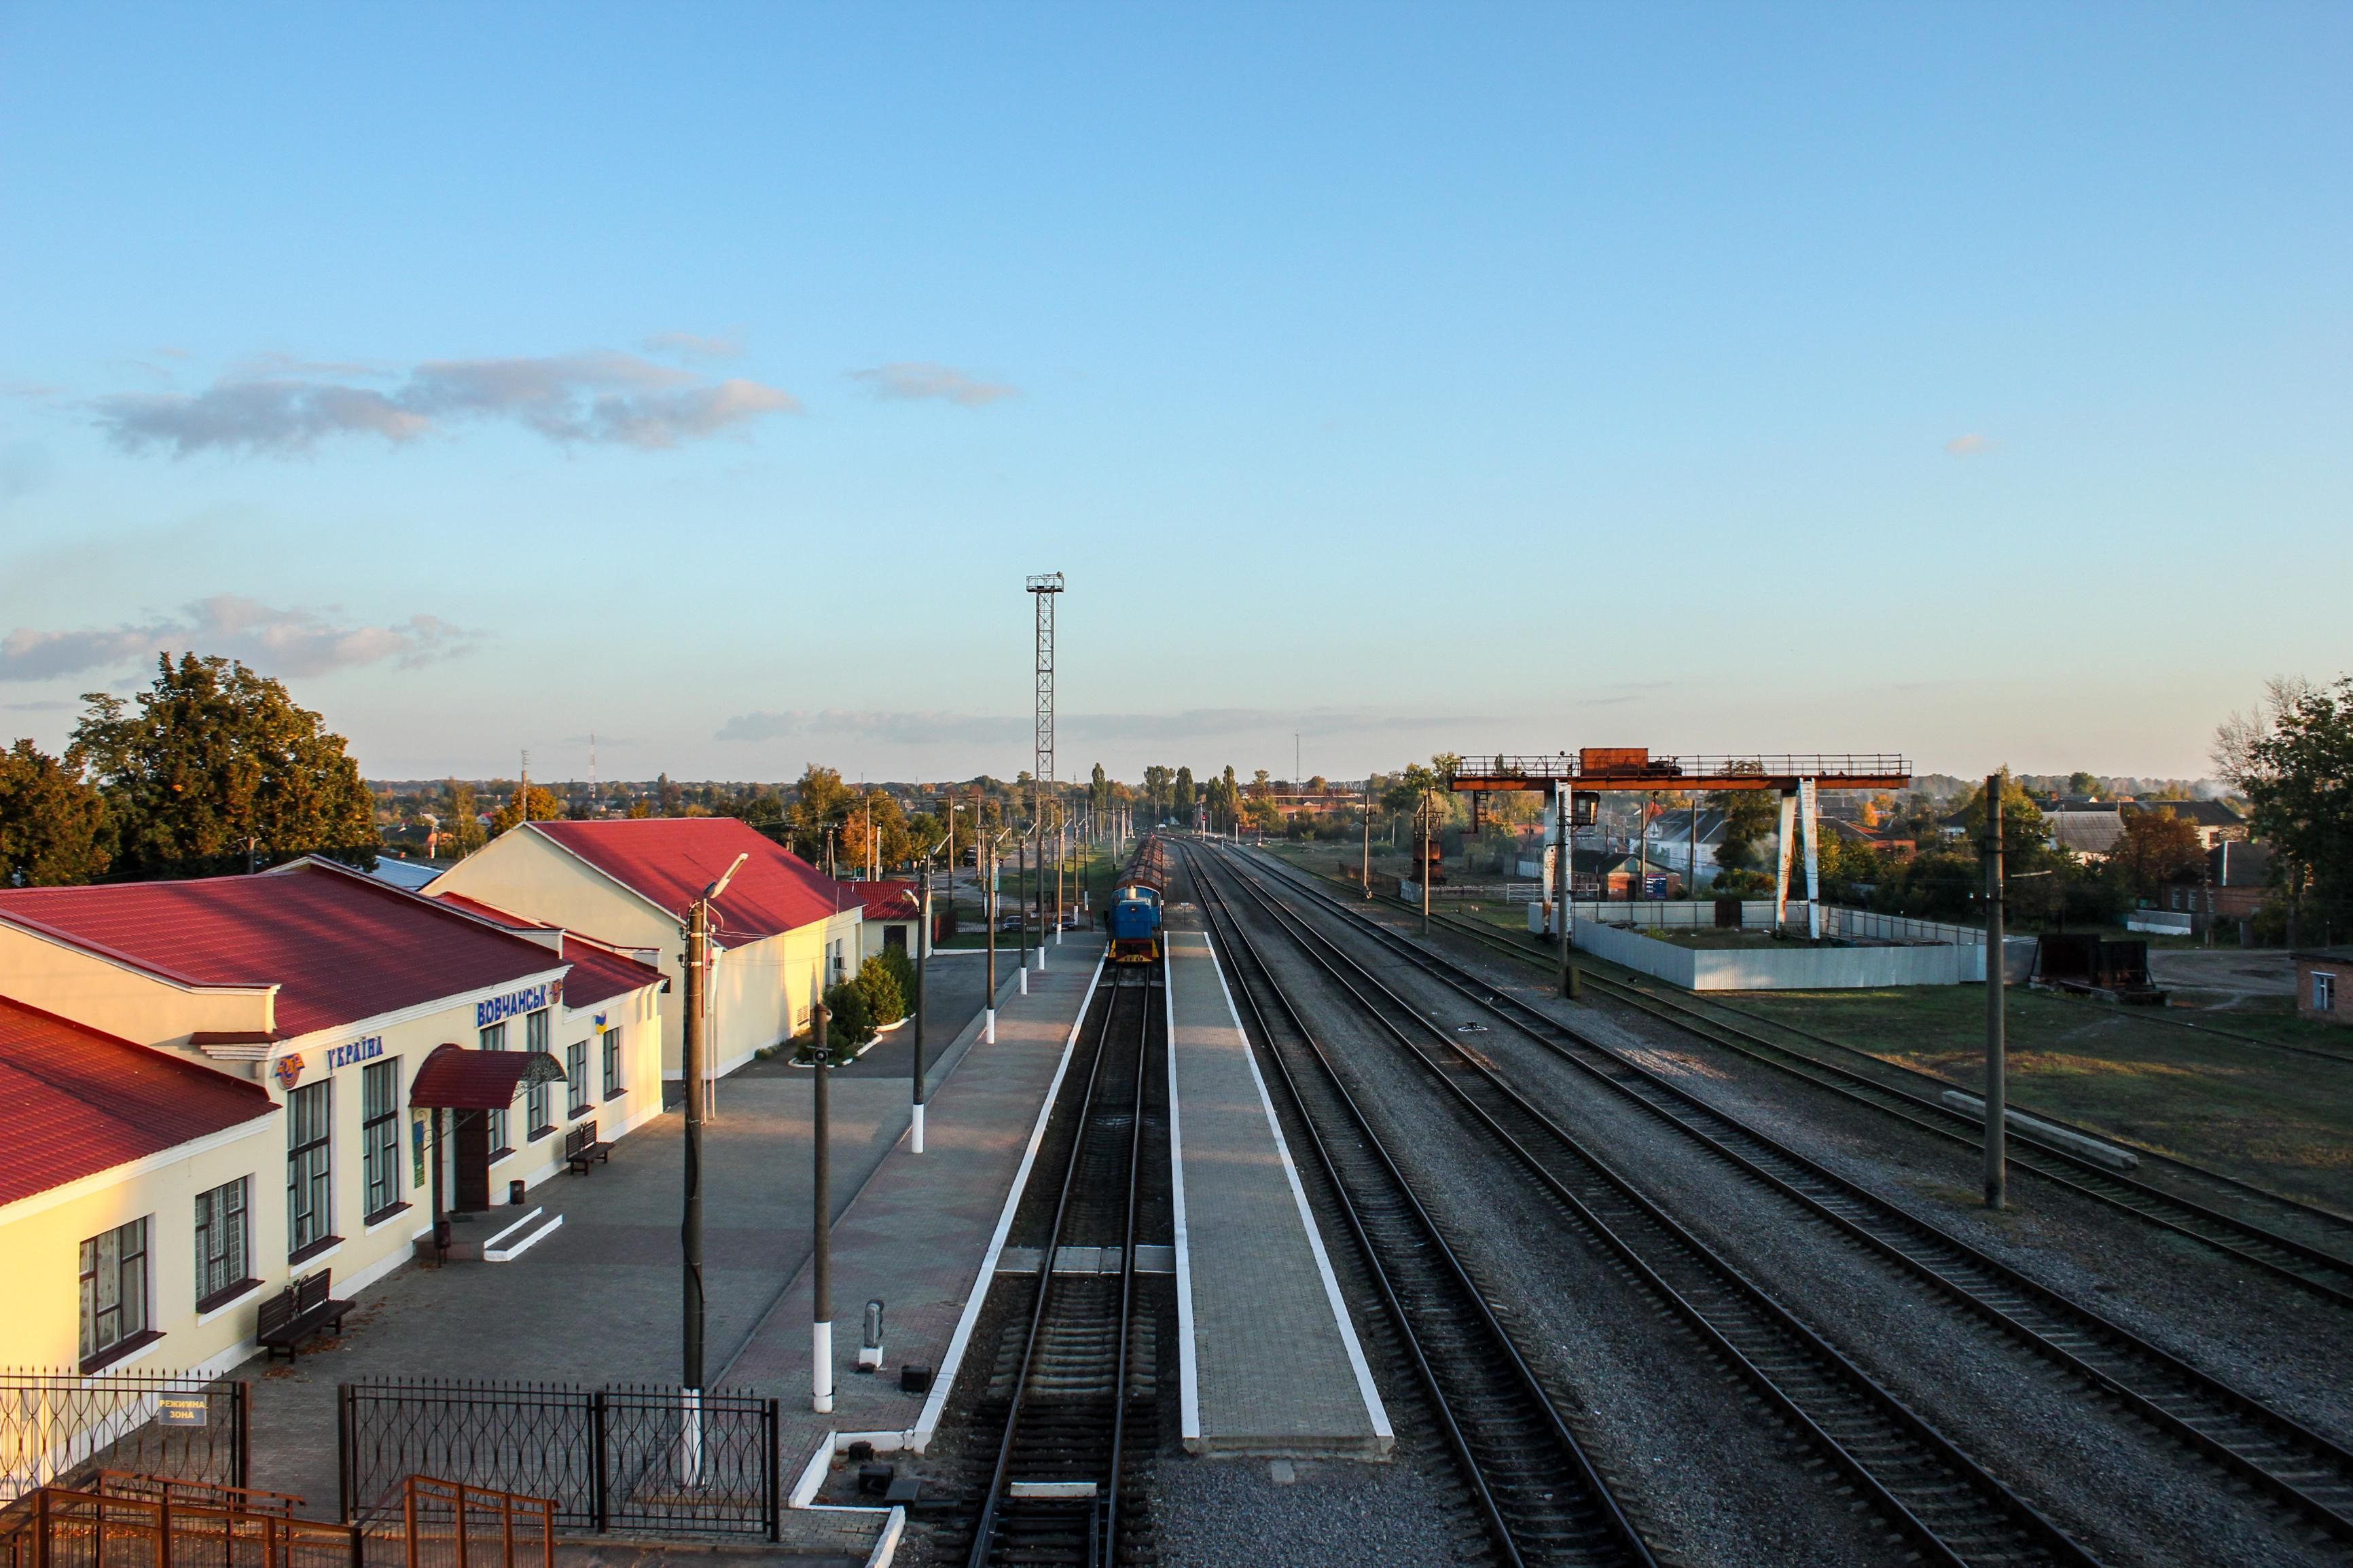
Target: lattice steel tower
x,y
1044,587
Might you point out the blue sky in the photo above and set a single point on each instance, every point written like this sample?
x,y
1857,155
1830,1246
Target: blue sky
x,y
1972,381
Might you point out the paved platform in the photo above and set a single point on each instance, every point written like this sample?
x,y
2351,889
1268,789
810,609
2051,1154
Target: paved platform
x,y
1271,1366
924,1231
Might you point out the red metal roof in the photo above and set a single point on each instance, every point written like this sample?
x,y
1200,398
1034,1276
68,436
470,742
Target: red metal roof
x,y
669,860
455,1079
74,1102
340,946
599,973
889,901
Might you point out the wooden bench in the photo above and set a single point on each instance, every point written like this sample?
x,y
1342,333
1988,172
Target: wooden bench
x,y
582,1146
304,1307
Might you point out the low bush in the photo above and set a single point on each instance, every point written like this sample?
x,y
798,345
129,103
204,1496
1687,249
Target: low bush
x,y
851,1024
886,999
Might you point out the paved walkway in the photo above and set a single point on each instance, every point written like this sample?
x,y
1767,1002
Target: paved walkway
x,y
919,1233
596,1302
1274,1364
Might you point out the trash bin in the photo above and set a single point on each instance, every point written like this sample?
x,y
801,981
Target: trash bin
x,y
515,1192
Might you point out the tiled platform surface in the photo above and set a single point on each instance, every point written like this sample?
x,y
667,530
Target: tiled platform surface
x,y
919,1232
1274,1366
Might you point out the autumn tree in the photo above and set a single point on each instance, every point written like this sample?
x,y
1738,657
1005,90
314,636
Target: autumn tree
x,y
2155,847
527,803
875,823
819,801
459,813
53,823
218,766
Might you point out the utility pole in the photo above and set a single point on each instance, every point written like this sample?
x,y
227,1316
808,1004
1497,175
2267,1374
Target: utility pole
x,y
985,864
1061,853
922,964
1997,1066
1367,867
1564,889
1429,814
821,1274
691,1065
1021,903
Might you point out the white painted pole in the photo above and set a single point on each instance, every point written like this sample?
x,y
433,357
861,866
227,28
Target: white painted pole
x,y
821,1366
1813,860
1781,867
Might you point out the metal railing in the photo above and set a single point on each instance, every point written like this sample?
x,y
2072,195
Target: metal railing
x,y
667,1460
54,1526
448,1524
61,1427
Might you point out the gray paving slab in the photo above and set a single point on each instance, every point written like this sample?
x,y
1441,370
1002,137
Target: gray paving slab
x,y
597,1301
920,1233
1275,1366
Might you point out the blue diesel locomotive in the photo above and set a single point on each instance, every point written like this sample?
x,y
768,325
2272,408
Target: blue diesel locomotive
x,y
1134,915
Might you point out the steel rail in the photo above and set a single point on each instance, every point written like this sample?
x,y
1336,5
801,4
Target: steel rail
x,y
2278,1455
1954,1511
1100,1548
1491,1406
2299,1262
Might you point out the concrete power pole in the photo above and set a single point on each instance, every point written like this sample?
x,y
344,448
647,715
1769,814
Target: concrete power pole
x,y
1997,1066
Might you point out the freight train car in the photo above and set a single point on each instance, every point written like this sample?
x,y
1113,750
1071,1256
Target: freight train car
x,y
1134,915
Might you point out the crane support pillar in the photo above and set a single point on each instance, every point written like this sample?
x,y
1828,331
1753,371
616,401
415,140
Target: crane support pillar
x,y
1813,859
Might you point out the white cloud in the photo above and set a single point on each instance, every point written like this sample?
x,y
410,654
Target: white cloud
x,y
279,642
1970,445
697,345
912,380
281,407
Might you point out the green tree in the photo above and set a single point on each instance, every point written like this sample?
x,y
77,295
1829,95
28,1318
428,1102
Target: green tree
x,y
2295,776
1748,815
1181,797
2025,841
848,1024
1157,782
457,811
819,801
216,765
1099,789
53,826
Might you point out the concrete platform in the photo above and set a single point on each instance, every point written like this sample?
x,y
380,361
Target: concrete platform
x,y
1271,1363
924,1235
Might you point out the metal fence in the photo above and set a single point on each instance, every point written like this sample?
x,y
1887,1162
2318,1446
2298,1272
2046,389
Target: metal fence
x,y
56,1528
61,1429
448,1525
667,1460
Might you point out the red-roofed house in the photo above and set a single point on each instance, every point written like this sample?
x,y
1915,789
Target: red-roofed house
x,y
310,994
784,930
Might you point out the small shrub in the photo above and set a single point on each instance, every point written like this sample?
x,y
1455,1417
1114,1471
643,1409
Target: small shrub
x,y
851,1025
886,1003
902,970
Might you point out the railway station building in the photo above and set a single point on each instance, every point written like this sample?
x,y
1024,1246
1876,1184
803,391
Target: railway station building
x,y
782,932
206,1091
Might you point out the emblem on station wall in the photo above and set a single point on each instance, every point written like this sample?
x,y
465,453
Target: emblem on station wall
x,y
287,1071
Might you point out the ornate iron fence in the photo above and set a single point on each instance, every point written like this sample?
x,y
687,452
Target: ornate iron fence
x,y
667,1460
62,1428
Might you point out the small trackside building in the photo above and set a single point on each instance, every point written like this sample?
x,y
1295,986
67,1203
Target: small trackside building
x,y
894,918
211,1094
784,931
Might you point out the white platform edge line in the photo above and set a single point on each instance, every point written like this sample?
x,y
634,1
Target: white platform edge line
x,y
945,1379
1372,1405
1189,1366
886,1545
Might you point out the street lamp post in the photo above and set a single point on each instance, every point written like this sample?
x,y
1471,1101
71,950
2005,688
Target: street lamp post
x,y
821,1218
690,1064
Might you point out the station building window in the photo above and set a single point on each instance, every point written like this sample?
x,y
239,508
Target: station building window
x,y
575,1080
380,1136
310,1169
610,1039
114,1306
535,1035
494,1039
2324,991
224,1245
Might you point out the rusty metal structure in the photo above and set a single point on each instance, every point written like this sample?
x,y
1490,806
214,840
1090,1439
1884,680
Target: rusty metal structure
x,y
1797,777
1633,768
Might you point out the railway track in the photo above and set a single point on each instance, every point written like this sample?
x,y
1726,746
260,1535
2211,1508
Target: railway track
x,y
1932,1498
1062,1487
2277,1456
2309,1267
1537,1492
